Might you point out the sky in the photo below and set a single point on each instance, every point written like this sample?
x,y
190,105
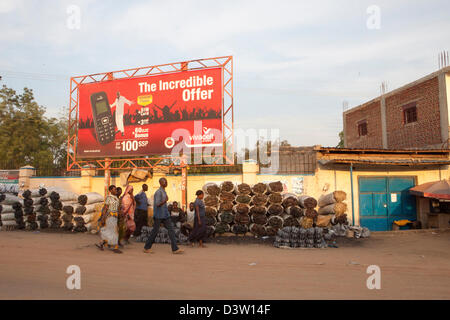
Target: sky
x,y
295,62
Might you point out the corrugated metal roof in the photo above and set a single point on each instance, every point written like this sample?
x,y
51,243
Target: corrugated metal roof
x,y
408,162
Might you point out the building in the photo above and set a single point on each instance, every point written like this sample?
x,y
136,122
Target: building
x,y
376,181
413,116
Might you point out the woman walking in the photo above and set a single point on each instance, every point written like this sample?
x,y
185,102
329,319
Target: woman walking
x,y
121,219
109,232
128,207
199,231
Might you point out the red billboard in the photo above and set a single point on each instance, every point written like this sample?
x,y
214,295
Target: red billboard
x,y
140,116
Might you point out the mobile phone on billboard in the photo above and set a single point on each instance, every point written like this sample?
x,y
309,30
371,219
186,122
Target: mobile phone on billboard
x,y
103,119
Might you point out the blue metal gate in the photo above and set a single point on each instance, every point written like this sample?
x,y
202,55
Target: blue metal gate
x,y
385,199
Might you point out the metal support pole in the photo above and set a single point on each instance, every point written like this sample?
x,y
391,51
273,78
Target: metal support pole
x,y
107,175
351,185
184,187
183,183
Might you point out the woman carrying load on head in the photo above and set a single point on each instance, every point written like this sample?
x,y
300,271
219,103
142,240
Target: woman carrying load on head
x,y
109,232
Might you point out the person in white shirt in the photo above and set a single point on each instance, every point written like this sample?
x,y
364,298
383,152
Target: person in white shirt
x,y
119,103
190,214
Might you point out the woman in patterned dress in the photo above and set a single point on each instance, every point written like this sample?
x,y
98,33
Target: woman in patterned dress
x,y
128,205
109,232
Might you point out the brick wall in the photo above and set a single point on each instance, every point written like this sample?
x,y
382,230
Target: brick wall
x,y
427,130
372,114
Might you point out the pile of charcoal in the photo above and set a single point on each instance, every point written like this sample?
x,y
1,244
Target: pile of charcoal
x,y
162,236
18,215
11,213
294,237
55,212
67,218
261,209
28,210
43,210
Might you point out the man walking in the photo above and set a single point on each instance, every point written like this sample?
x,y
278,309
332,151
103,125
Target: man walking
x,y
141,214
161,215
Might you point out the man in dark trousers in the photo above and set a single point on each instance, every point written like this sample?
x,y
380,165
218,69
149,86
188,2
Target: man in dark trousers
x,y
161,215
141,214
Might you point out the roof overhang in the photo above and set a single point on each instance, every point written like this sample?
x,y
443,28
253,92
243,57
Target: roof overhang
x,y
383,162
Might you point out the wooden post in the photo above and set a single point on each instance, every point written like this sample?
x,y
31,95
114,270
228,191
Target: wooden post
x,y
107,175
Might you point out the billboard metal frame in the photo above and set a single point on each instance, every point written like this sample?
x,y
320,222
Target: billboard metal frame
x,y
148,162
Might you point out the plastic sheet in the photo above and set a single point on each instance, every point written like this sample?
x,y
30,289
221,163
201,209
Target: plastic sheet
x,y
91,197
10,199
9,188
330,198
5,208
7,217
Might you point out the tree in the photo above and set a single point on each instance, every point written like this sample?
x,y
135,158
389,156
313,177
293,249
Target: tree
x,y
341,140
27,137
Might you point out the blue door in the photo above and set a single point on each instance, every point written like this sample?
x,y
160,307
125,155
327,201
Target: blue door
x,y
385,199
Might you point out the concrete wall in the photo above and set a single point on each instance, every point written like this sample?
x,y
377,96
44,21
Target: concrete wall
x,y
324,181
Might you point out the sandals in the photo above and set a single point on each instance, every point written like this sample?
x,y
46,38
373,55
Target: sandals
x,y
100,246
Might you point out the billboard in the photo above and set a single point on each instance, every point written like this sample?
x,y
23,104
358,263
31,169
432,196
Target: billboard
x,y
144,115
9,176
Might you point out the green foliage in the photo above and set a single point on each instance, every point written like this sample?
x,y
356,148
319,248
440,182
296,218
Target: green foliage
x,y
27,137
341,140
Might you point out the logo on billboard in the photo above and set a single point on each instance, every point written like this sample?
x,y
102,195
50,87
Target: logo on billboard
x,y
169,142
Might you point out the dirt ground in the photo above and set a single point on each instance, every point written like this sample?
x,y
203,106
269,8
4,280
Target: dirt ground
x,y
414,265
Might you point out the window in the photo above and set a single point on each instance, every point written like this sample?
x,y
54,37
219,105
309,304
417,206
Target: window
x,y
362,128
410,113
